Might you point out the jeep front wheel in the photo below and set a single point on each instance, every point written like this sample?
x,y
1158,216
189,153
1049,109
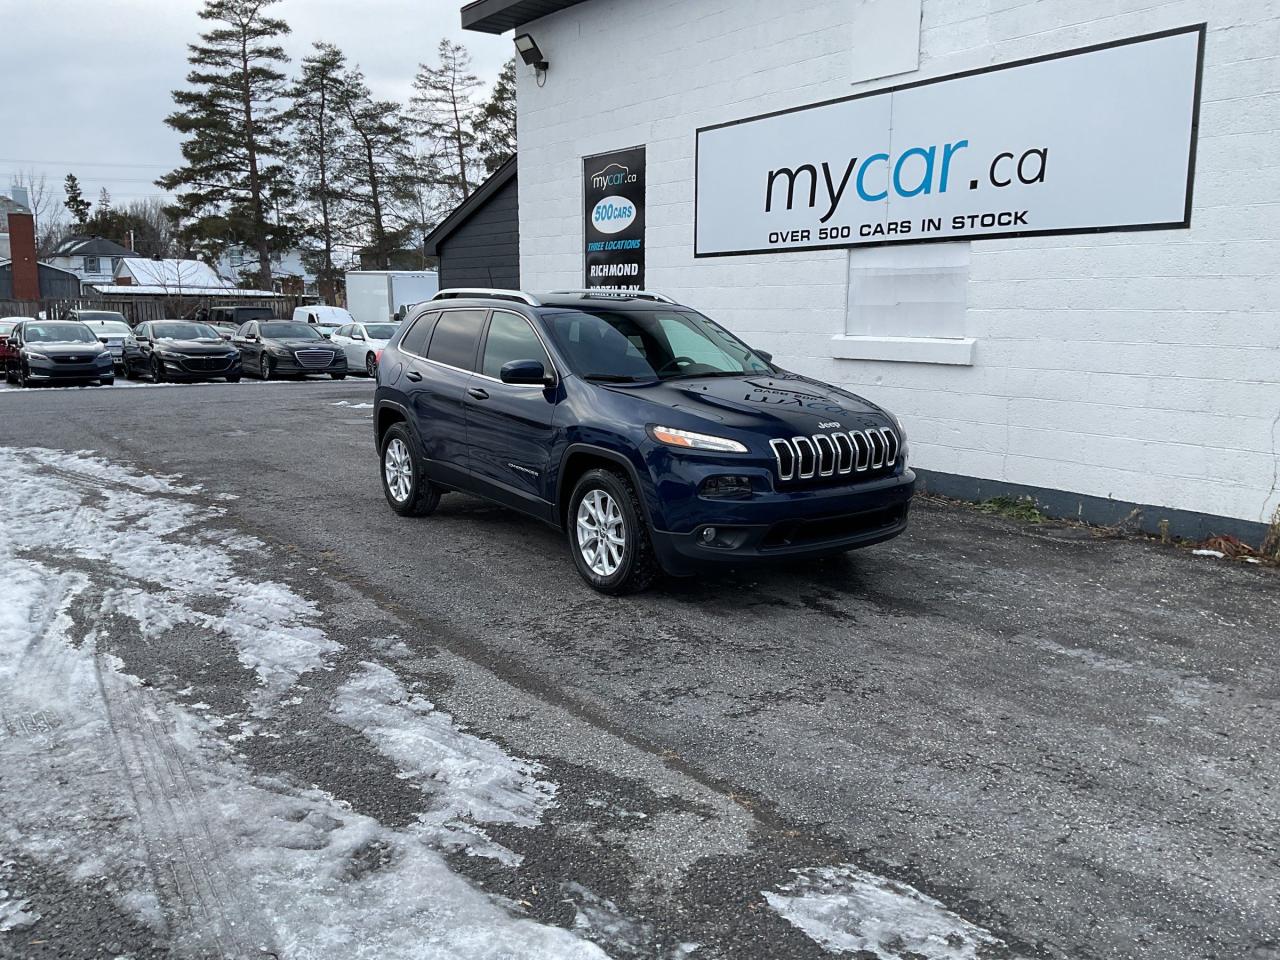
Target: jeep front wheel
x,y
608,536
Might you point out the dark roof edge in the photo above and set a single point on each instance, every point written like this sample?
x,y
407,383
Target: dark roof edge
x,y
499,16
469,207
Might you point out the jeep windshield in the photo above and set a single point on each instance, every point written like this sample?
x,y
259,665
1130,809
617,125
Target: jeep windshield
x,y
634,346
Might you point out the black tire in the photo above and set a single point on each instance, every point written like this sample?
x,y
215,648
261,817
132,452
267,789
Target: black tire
x,y
23,380
157,369
266,368
106,381
421,497
338,376
234,378
8,373
371,366
638,566
129,372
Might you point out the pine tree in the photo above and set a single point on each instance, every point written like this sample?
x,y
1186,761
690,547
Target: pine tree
x,y
75,203
444,107
232,123
373,168
494,126
321,134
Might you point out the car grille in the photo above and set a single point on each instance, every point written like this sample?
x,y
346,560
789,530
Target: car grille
x,y
72,359
861,453
317,359
206,364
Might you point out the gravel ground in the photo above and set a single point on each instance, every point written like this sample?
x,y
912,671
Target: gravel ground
x,y
1065,743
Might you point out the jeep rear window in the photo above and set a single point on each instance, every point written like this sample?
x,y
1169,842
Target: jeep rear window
x,y
647,345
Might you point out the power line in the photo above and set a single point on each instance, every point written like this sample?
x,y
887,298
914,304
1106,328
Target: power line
x,y
81,163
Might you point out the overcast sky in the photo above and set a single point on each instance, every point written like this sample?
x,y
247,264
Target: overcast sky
x,y
85,84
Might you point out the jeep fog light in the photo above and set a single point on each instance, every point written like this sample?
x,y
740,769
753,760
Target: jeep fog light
x,y
695,441
726,488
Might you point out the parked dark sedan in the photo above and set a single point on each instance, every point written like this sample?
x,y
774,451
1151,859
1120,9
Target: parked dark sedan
x,y
182,350
282,348
47,351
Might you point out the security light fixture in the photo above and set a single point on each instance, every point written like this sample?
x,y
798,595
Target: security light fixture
x,y
527,47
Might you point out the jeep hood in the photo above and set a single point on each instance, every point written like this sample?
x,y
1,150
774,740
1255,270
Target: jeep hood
x,y
783,403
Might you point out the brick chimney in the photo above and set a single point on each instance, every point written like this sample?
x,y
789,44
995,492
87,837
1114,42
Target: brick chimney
x,y
22,251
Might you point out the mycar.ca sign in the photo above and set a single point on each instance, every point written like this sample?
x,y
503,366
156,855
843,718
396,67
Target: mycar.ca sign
x,y
613,190
1101,138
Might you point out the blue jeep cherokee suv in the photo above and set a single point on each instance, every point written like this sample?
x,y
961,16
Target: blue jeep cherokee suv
x,y
652,436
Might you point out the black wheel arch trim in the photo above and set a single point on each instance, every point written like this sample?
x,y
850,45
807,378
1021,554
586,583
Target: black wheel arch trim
x,y
604,453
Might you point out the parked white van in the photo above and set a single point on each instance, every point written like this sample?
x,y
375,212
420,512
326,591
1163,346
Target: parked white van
x,y
322,315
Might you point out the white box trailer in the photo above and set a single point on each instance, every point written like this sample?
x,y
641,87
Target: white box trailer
x,y
376,296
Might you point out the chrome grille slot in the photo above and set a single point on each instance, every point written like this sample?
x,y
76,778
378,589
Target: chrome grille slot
x,y
891,445
786,457
808,456
314,358
845,454
877,449
826,454
864,451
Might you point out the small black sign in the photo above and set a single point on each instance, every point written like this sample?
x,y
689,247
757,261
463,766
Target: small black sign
x,y
613,189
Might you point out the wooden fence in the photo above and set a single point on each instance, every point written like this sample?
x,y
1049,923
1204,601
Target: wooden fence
x,y
139,309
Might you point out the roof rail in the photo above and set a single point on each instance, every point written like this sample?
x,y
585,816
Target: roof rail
x,y
609,293
455,293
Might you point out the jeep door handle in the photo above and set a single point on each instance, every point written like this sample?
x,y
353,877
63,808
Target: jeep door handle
x,y
414,375
477,393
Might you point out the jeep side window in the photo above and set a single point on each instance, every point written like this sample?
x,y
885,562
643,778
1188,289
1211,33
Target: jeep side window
x,y
416,337
456,337
511,338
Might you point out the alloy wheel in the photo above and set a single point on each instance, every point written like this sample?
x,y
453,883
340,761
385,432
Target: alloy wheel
x,y
398,469
371,365
264,364
601,531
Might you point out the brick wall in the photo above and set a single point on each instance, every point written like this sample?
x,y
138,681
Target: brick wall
x,y
1143,367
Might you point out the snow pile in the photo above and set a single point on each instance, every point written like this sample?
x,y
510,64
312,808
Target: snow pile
x,y
469,780
148,540
352,406
125,786
847,910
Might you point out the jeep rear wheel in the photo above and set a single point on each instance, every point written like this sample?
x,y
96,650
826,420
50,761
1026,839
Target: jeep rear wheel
x,y
404,482
608,536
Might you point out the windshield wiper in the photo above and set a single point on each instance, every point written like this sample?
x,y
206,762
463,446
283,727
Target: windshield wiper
x,y
614,378
714,373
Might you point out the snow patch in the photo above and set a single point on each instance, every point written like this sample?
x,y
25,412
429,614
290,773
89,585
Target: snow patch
x,y
132,790
848,910
352,406
469,780
1208,553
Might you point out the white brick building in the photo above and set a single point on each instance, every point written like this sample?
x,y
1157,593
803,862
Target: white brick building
x,y
1096,371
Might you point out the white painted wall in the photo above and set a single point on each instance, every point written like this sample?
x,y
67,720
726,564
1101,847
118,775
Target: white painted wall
x,y
1139,366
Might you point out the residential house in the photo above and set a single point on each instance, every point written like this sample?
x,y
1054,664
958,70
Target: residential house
x,y
93,259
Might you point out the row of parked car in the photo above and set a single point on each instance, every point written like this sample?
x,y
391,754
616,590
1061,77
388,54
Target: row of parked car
x,y
221,343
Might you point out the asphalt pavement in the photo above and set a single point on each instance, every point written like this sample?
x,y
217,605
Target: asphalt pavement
x,y
1066,742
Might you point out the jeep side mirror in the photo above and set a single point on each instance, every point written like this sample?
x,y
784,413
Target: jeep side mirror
x,y
525,372
764,355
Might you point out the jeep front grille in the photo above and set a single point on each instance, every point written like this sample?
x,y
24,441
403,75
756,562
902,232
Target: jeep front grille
x,y
836,454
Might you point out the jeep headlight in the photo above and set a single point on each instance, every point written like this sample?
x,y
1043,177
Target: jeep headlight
x,y
673,437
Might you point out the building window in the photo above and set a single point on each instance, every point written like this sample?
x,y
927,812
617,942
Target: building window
x,y
90,264
908,303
